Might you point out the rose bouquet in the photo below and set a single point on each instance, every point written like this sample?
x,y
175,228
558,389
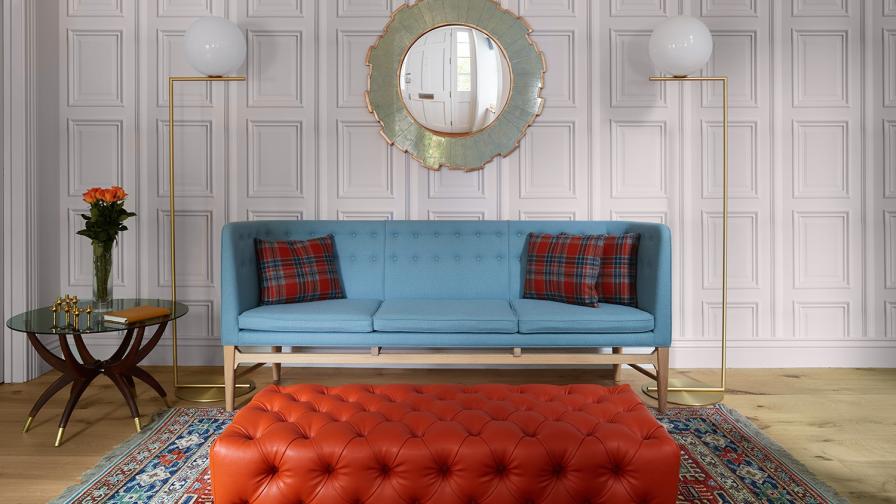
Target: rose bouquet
x,y
102,225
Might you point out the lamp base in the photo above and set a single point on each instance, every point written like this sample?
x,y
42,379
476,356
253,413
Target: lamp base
x,y
687,397
211,392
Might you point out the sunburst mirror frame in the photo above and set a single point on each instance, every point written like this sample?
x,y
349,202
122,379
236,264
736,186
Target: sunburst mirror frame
x,y
430,148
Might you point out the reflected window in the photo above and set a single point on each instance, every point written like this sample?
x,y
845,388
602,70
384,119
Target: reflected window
x,y
464,62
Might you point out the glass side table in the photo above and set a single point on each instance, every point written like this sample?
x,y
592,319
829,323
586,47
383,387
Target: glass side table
x,y
121,367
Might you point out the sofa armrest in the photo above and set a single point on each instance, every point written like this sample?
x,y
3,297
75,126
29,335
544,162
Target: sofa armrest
x,y
239,277
654,281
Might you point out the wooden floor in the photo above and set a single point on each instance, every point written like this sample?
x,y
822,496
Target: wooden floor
x,y
841,423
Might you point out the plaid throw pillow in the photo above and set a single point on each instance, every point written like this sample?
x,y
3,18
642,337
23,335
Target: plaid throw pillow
x,y
618,269
563,268
297,271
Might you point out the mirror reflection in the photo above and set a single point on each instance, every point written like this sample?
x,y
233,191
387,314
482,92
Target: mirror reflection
x,y
455,79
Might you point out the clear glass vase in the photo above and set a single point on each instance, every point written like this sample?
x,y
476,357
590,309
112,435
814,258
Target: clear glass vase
x,y
102,276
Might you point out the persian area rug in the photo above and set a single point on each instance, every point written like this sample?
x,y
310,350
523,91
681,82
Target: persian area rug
x,y
724,459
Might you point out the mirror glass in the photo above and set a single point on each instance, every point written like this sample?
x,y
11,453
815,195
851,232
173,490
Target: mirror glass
x,y
455,79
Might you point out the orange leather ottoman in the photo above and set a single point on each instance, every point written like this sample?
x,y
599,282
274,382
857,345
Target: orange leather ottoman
x,y
441,444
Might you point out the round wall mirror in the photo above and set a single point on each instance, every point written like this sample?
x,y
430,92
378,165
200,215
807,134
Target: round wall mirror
x,y
455,79
455,83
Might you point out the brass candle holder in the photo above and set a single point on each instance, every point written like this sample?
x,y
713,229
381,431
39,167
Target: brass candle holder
x,y
89,312
55,309
76,313
68,314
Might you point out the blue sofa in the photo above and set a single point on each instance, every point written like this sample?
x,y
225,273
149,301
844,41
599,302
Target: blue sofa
x,y
451,286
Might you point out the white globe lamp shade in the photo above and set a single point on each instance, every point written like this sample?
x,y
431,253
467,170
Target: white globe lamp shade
x,y
214,46
680,46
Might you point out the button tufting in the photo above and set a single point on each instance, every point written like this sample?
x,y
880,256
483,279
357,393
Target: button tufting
x,y
352,258
470,408
478,234
354,235
394,235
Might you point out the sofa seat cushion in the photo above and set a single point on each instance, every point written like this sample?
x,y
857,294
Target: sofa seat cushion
x,y
445,316
537,316
336,315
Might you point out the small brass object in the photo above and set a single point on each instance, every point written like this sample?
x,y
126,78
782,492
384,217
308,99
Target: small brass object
x,y
137,424
28,424
76,312
89,312
59,437
68,314
75,299
55,310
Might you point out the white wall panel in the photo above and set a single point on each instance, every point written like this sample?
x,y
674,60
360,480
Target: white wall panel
x,y
98,8
820,68
275,69
275,159
729,8
639,159
95,68
194,153
95,154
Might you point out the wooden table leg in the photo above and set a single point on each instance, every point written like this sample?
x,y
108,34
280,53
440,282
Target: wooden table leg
x,y
81,375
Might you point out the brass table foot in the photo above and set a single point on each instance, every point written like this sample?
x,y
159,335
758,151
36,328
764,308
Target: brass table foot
x,y
137,423
59,437
27,424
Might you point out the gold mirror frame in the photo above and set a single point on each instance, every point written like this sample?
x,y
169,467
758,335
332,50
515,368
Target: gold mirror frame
x,y
468,151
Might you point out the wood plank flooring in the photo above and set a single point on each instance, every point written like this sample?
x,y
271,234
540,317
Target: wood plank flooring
x,y
841,423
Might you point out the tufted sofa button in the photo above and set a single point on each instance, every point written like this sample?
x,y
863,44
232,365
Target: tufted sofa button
x,y
354,235
352,258
457,235
478,258
457,258
372,258
414,258
435,235
436,258
478,234
519,234
416,235
395,235
499,258
395,258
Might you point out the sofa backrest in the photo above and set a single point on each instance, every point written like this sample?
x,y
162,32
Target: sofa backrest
x,y
447,259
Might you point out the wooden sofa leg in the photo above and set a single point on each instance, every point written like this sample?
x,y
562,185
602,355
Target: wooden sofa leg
x,y
275,366
662,377
229,376
617,368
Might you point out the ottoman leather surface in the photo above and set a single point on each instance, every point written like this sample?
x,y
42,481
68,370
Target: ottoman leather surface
x,y
489,444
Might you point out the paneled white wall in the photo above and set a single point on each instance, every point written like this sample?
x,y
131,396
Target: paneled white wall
x,y
813,154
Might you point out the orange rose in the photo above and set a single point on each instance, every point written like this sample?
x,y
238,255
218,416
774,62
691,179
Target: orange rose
x,y
107,195
120,195
90,195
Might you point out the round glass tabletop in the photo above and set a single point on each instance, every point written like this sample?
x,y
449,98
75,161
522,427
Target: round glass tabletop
x,y
40,320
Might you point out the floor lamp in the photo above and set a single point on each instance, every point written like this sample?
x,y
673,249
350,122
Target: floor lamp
x,y
214,46
680,46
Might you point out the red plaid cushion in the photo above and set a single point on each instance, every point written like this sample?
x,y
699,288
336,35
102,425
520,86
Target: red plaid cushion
x,y
563,268
296,271
618,269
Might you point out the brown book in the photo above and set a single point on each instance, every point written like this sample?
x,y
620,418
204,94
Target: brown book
x,y
135,314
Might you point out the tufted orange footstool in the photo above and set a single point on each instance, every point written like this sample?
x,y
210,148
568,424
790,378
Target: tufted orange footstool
x,y
441,444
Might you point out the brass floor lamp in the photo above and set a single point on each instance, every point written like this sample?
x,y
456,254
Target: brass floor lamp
x,y
213,388
682,45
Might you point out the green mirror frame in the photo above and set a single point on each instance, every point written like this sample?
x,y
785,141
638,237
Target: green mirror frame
x,y
467,151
